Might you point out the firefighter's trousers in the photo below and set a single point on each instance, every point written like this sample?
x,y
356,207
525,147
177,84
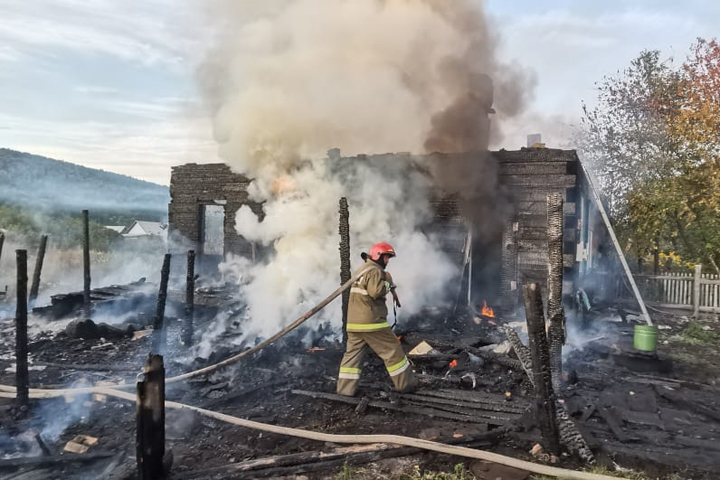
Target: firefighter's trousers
x,y
387,346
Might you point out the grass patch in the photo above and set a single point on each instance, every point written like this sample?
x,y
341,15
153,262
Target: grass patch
x,y
695,335
416,473
627,474
349,473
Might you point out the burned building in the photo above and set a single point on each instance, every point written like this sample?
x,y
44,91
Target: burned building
x,y
201,213
501,208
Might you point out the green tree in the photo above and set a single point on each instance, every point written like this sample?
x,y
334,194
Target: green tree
x,y
653,140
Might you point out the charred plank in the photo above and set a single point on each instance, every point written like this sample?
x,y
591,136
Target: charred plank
x,y
429,412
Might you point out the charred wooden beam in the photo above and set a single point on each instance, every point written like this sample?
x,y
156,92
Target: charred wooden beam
x,y
540,356
614,422
22,379
556,314
150,418
35,287
63,458
160,333
43,446
86,263
2,242
487,412
187,331
431,397
509,269
430,412
570,436
107,367
693,405
345,273
522,352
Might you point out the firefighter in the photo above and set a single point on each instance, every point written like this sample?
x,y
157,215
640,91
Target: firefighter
x,y
367,325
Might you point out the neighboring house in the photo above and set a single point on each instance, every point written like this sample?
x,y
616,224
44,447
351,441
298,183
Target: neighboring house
x,y
116,228
141,228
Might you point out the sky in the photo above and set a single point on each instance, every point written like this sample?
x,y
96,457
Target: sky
x,y
112,85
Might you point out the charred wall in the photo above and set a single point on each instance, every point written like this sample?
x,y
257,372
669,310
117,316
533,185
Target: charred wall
x,y
192,188
529,175
503,197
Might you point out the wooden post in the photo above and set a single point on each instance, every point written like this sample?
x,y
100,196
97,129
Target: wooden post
x,y
696,290
187,332
656,258
344,230
556,314
22,381
540,356
38,270
150,417
618,249
86,263
160,334
2,242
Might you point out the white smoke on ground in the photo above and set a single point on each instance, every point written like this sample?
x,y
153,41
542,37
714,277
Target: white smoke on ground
x,y
602,331
289,79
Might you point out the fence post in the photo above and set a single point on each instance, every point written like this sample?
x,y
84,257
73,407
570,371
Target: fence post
x,y
86,264
35,287
22,380
696,290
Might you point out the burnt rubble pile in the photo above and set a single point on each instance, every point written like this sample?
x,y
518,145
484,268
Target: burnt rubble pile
x,y
473,391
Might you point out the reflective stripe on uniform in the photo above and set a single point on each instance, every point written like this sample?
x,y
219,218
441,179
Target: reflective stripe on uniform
x,y
366,327
349,376
359,290
350,370
399,367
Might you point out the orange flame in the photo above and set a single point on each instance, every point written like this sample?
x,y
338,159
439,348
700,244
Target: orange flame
x,y
453,364
487,311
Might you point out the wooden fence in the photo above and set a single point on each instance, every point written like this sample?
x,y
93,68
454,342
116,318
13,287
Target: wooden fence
x,y
697,291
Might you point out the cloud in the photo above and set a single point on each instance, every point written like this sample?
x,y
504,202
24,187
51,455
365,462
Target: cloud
x,y
95,89
150,33
574,46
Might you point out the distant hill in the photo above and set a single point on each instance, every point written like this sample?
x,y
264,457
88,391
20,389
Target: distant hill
x,y
28,180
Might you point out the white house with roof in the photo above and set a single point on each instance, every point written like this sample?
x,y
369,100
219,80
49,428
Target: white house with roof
x,y
141,228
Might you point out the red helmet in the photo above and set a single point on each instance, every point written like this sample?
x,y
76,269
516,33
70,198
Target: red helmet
x,y
381,248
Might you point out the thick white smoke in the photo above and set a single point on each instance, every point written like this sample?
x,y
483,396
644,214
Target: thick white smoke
x,y
289,79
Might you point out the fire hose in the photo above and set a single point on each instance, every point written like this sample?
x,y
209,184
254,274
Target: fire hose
x,y
7,391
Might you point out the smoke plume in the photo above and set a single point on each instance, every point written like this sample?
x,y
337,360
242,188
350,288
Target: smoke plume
x,y
289,79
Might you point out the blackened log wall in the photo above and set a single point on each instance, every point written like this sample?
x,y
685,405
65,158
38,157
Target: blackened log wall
x,y
191,187
526,177
530,175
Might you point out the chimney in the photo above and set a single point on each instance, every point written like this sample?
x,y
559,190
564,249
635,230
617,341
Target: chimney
x,y
534,140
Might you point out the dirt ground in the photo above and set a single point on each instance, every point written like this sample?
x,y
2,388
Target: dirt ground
x,y
661,437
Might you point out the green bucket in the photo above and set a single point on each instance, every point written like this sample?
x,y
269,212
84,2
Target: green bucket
x,y
645,338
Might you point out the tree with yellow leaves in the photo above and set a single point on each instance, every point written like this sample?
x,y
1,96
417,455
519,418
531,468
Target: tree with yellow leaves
x,y
654,142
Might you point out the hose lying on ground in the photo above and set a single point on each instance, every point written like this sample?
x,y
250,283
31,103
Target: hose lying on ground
x,y
7,391
466,452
